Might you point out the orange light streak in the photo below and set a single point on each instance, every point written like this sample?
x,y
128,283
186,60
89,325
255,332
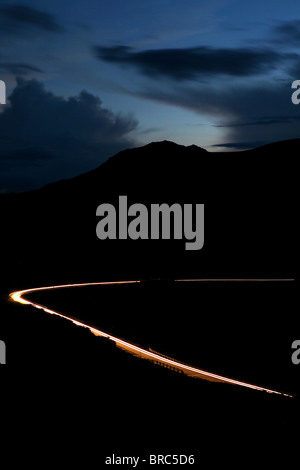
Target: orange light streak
x,y
137,350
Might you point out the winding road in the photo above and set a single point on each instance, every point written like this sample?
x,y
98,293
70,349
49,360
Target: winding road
x,y
137,350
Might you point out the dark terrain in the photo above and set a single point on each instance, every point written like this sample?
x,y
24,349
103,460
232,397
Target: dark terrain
x,y
242,330
250,217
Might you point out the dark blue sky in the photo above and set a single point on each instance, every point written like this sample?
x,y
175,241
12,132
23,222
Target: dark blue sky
x,y
87,78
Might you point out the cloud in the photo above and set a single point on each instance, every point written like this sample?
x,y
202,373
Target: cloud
x,y
196,62
266,114
253,107
21,16
18,68
20,28
44,137
245,92
287,32
240,145
255,111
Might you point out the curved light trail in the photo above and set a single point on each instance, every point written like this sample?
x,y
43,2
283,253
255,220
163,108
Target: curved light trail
x,y
139,351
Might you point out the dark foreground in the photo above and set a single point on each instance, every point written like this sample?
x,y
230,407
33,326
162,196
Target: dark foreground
x,y
88,394
64,389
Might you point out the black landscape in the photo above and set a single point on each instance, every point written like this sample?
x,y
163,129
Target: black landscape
x,y
250,202
240,329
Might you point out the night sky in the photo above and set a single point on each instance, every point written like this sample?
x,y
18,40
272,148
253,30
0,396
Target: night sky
x,y
88,78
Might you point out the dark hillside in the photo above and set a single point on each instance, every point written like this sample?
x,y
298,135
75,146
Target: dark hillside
x,y
250,216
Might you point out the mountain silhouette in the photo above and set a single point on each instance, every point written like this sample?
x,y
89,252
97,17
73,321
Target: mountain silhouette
x,y
250,216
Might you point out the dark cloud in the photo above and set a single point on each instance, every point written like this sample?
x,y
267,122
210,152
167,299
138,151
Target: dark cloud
x,y
233,103
19,23
246,91
287,32
265,114
21,16
44,137
18,68
267,120
245,112
240,145
197,62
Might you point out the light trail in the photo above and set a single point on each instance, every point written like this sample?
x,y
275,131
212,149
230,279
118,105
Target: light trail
x,y
137,350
